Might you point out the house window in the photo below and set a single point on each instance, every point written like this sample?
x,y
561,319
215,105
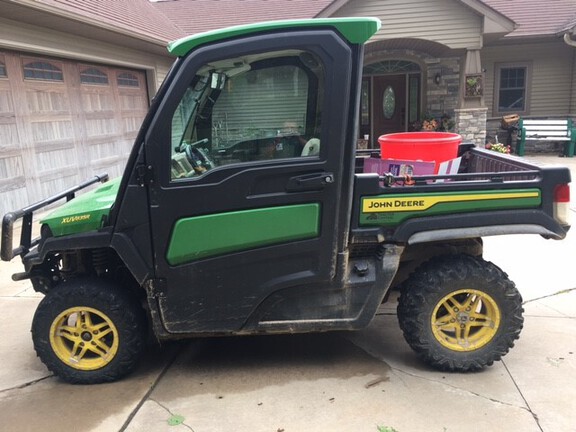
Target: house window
x,y
3,70
126,79
93,76
42,70
512,88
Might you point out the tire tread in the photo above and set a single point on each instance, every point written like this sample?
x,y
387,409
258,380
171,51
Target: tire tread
x,y
432,280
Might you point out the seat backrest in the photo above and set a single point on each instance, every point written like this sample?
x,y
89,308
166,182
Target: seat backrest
x,y
547,128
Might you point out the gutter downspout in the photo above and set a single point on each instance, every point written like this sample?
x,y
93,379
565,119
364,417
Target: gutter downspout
x,y
572,43
569,41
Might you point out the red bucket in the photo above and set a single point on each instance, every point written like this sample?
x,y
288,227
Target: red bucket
x,y
424,146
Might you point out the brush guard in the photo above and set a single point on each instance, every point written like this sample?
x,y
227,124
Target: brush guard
x,y
7,251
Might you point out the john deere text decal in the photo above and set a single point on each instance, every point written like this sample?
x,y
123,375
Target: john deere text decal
x,y
393,209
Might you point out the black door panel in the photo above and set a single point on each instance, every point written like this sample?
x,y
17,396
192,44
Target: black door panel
x,y
257,91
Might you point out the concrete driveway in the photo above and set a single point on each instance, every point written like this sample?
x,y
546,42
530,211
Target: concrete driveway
x,y
364,381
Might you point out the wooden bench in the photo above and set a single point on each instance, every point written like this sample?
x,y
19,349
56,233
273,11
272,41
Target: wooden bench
x,y
547,130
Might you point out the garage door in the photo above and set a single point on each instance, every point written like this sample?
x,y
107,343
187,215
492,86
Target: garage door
x,y
62,122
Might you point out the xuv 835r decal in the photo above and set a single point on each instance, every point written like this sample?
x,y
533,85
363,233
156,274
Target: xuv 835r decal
x,y
390,210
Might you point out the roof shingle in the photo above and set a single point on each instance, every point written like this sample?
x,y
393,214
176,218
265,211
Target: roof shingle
x,y
195,16
130,16
537,17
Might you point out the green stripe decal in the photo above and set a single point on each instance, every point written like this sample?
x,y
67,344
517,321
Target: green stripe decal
x,y
206,236
390,210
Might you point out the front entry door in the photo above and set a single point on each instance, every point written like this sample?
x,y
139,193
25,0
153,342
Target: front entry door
x,y
251,202
389,104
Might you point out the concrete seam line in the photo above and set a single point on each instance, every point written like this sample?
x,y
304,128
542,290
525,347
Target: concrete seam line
x,y
534,415
151,389
27,384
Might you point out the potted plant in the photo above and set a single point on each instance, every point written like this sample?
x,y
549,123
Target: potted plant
x,y
474,86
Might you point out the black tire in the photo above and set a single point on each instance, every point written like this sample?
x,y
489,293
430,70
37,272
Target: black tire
x,y
460,313
88,331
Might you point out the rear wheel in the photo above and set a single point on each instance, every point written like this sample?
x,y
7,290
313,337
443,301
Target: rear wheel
x,y
88,331
460,313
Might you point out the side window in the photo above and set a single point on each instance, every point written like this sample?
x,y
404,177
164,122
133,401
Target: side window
x,y
248,109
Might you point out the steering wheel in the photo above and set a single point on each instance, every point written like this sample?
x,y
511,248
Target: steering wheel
x,y
198,157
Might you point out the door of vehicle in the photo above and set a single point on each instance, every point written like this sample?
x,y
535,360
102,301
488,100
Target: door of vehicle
x,y
241,221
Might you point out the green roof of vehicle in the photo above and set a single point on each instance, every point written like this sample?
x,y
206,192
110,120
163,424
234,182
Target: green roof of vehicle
x,y
85,212
356,30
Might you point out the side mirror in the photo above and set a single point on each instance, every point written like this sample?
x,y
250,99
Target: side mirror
x,y
217,80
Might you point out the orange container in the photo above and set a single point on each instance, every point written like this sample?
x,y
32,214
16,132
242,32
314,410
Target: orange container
x,y
424,146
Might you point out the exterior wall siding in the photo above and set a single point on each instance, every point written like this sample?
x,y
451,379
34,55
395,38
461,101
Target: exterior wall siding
x,y
551,76
160,73
445,21
573,96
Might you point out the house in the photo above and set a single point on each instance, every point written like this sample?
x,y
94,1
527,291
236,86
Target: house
x,y
531,71
76,77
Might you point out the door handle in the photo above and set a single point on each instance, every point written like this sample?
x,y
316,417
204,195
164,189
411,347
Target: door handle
x,y
310,182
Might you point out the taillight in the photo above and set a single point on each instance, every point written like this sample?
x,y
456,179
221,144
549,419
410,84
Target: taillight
x,y
562,204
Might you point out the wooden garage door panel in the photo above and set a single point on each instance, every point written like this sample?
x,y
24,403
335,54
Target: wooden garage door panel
x,y
132,125
6,105
97,100
44,99
11,169
104,126
12,181
53,130
134,105
8,129
8,135
64,158
131,101
54,134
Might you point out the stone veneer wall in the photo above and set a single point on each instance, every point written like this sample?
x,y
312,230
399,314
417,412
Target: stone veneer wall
x,y
442,98
471,124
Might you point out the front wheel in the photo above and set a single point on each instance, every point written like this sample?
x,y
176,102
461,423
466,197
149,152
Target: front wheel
x,y
87,331
460,313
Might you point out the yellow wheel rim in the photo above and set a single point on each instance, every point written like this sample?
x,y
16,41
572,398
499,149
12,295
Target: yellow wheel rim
x,y
84,338
465,320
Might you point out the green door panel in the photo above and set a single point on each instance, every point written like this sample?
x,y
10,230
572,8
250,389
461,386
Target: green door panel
x,y
200,237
